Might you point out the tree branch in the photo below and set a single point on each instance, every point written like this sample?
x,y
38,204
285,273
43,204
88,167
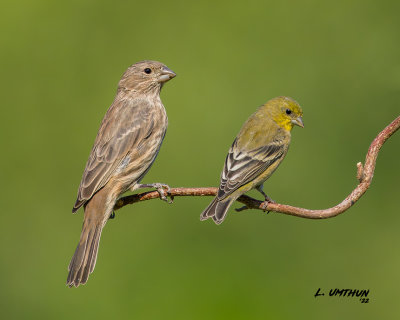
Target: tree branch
x,y
364,175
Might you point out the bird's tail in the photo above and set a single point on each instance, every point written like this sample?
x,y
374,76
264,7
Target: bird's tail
x,y
85,256
217,210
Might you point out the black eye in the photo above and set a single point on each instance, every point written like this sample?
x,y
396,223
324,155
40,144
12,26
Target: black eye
x,y
147,70
288,111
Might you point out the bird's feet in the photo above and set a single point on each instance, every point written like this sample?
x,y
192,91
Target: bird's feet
x,y
267,199
112,215
160,187
265,204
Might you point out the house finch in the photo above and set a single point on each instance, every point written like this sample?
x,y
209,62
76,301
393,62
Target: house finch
x,y
257,151
126,145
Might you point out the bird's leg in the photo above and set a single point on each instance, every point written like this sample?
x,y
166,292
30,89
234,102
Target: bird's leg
x,y
160,189
260,189
264,206
112,215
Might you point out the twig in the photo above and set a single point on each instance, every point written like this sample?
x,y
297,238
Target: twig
x,y
364,175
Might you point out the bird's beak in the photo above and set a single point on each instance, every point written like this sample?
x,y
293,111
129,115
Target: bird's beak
x,y
298,122
166,74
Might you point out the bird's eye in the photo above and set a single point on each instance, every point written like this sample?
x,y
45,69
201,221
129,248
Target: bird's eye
x,y
147,70
288,111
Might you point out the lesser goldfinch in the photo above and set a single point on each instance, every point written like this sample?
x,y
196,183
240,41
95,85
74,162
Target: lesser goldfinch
x,y
126,145
257,151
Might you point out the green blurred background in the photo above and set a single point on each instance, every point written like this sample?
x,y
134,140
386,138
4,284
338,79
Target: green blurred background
x,y
60,64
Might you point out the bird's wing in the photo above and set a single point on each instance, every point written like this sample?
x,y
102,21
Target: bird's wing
x,y
242,167
124,128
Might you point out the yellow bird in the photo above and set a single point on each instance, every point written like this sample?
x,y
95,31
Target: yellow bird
x,y
257,151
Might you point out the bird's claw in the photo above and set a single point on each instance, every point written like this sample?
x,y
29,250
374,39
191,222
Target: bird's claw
x,y
160,187
265,204
112,215
267,200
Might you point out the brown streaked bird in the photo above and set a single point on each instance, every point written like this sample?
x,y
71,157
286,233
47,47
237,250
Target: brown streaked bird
x,y
257,151
126,145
